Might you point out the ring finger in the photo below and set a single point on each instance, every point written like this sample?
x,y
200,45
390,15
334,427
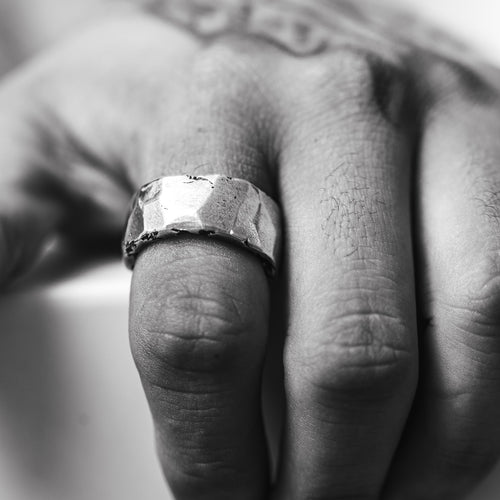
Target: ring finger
x,y
199,307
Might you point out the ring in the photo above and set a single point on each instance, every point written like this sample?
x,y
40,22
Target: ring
x,y
212,205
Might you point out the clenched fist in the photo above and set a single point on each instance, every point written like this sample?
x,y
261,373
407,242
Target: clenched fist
x,y
379,139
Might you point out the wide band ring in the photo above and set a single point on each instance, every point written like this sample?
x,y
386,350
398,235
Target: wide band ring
x,y
212,205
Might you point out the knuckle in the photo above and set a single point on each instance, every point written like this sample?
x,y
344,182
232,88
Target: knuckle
x,y
363,354
214,62
485,302
192,329
470,318
356,81
221,62
234,91
476,307
450,79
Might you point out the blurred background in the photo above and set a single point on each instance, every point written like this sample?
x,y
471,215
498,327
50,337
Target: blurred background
x,y
74,424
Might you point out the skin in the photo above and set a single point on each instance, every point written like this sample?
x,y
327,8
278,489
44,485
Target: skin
x,y
378,137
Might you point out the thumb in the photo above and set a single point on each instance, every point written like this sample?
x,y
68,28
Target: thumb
x,y
71,129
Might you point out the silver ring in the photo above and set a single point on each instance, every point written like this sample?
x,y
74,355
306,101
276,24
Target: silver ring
x,y
211,205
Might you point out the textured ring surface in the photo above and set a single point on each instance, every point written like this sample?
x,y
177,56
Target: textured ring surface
x,y
210,205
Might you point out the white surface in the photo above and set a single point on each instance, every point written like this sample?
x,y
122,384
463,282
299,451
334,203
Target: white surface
x,y
475,21
73,420
74,424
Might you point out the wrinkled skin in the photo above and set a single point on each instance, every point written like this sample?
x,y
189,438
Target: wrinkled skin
x,y
378,137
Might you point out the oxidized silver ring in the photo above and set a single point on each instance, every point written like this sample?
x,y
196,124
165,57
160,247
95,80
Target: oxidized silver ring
x,y
212,205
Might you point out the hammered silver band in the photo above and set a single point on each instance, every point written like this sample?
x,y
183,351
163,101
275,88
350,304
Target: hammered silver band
x,y
212,205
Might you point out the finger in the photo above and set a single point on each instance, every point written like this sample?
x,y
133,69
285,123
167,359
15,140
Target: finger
x,y
130,126
199,307
453,437
26,207
64,157
350,358
38,196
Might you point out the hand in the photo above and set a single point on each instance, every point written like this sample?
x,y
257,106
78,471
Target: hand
x,y
379,139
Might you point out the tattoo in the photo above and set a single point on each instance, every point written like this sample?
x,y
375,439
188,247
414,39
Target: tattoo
x,y
286,23
307,27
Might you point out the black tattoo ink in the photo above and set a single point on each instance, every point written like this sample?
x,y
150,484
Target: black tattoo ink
x,y
283,23
309,27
